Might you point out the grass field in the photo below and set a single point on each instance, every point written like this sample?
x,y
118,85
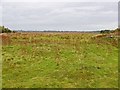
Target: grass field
x,y
59,60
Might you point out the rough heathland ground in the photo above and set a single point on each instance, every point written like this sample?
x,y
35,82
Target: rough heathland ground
x,y
59,60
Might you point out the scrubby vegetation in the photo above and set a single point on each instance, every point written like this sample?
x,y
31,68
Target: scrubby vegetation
x,y
111,31
5,30
59,60
105,31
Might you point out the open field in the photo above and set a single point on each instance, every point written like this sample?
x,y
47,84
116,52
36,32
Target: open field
x,y
59,60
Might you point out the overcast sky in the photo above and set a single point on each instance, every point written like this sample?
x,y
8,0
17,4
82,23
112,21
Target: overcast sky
x,y
60,15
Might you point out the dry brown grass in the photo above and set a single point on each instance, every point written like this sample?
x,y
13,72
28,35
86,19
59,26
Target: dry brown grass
x,y
5,39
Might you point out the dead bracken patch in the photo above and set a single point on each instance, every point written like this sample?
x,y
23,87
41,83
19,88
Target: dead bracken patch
x,y
5,39
99,36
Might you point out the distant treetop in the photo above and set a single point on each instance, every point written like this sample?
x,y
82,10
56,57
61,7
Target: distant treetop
x,y
5,30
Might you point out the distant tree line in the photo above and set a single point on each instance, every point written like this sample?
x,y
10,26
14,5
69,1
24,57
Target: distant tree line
x,y
105,31
5,30
110,31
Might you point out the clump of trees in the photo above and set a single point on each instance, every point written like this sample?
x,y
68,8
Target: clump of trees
x,y
116,30
105,31
5,30
110,31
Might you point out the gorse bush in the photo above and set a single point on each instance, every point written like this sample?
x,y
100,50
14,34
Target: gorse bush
x,y
110,31
5,30
105,31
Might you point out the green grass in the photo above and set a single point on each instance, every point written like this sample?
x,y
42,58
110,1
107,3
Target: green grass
x,y
59,61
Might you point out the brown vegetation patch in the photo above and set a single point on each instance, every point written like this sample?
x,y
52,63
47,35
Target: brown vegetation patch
x,y
99,36
5,39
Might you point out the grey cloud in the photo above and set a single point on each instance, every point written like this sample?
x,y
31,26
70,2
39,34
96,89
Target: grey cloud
x,y
60,16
